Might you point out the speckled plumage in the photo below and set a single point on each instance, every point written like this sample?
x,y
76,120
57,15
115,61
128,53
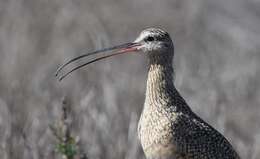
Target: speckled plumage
x,y
168,129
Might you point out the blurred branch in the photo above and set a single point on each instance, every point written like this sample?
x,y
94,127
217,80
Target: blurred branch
x,y
67,144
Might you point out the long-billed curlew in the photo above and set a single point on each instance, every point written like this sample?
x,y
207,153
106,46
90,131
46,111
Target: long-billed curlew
x,y
168,128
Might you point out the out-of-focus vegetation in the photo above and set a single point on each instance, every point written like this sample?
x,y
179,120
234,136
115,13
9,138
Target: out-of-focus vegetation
x,y
216,62
67,144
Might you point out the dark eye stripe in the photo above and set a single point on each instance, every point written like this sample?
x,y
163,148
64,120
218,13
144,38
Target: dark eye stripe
x,y
149,38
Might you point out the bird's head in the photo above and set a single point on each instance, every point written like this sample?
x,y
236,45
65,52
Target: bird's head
x,y
154,42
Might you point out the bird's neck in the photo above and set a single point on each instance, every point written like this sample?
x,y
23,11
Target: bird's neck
x,y
159,82
160,90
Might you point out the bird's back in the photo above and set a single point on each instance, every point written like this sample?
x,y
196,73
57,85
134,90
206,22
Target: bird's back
x,y
170,133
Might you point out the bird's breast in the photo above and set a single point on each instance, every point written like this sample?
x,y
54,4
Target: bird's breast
x,y
155,131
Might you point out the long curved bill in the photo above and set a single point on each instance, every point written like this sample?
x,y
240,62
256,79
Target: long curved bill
x,y
109,52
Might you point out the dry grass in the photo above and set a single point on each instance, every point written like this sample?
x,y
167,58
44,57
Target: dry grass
x,y
217,67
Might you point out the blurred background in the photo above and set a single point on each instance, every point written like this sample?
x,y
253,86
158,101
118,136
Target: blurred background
x,y
217,65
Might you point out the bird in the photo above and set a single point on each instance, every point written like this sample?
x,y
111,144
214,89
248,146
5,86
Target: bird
x,y
167,128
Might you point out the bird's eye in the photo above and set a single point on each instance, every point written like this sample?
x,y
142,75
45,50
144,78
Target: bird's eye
x,y
149,38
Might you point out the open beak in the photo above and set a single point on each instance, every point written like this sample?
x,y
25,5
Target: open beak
x,y
109,52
